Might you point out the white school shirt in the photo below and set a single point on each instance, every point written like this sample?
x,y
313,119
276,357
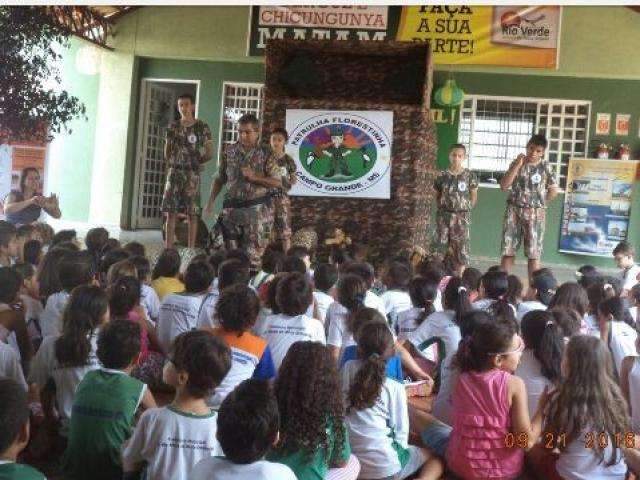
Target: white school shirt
x,y
628,277
10,365
323,301
32,312
150,303
530,371
442,325
526,307
171,442
633,311
337,333
219,468
45,366
408,322
634,394
590,326
178,314
622,342
579,463
283,331
207,311
395,302
482,304
260,327
51,318
372,430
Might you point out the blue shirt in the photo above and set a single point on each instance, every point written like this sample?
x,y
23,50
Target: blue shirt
x,y
394,364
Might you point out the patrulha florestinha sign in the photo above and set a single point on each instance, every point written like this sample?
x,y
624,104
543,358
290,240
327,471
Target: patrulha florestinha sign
x,y
341,154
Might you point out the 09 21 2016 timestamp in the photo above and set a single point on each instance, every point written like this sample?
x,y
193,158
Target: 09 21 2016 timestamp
x,y
601,440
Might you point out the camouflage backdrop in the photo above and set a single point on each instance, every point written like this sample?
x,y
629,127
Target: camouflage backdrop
x,y
339,75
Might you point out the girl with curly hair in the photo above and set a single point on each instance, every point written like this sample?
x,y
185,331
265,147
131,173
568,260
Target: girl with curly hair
x,y
313,437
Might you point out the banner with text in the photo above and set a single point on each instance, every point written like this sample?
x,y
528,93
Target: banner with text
x,y
525,36
317,22
341,154
597,205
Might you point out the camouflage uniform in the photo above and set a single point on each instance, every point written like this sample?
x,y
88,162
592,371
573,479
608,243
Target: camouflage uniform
x,y
452,219
186,147
524,217
281,202
246,211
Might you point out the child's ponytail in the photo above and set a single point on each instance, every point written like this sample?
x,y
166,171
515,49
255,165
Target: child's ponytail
x,y
456,298
613,306
488,339
423,293
375,345
352,291
545,337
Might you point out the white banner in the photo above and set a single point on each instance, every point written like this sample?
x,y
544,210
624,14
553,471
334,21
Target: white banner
x,y
341,154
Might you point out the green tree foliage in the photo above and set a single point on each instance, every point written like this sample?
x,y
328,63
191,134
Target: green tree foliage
x,y
29,37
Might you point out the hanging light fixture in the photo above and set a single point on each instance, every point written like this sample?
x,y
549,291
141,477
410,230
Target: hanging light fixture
x,y
450,94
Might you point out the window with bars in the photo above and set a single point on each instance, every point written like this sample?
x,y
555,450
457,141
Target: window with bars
x,y
238,99
496,129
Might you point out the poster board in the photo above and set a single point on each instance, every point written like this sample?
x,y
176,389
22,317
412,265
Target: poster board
x,y
341,154
597,205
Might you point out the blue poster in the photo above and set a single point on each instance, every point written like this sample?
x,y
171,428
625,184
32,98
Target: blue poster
x,y
597,205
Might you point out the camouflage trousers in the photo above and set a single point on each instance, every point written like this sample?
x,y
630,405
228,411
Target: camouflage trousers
x,y
452,236
181,192
523,224
281,218
248,229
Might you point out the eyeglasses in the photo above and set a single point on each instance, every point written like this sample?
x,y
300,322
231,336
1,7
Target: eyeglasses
x,y
518,349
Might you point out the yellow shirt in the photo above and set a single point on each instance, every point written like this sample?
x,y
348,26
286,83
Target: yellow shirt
x,y
167,285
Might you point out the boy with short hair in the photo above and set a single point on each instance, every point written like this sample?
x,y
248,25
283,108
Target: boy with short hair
x,y
324,281
104,406
231,272
179,311
8,244
281,203
173,439
14,432
248,425
456,194
531,185
624,255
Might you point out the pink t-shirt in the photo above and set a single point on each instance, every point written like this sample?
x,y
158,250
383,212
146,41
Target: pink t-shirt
x,y
481,421
134,317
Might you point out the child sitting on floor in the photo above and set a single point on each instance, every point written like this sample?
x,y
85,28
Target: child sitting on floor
x,y
294,295
148,296
236,313
104,406
164,438
313,437
377,412
396,299
8,244
248,424
65,359
76,268
423,293
165,276
30,300
13,326
14,432
325,277
618,335
179,311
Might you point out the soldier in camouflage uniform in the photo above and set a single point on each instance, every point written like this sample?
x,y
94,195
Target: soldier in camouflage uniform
x,y
188,146
249,172
456,194
531,184
281,203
